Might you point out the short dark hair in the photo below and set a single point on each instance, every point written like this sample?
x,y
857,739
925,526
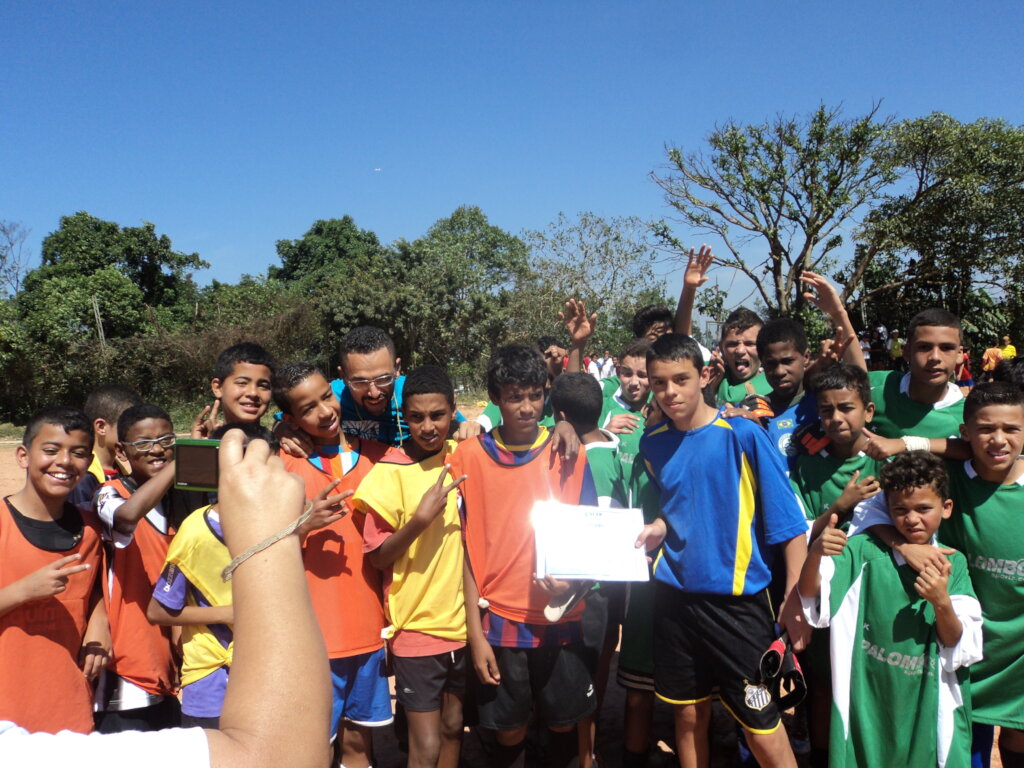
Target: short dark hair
x,y
782,329
365,339
675,346
428,380
1011,371
285,380
647,316
252,431
246,352
740,319
137,413
992,393
934,316
914,469
515,364
108,402
63,416
635,348
843,376
579,396
547,341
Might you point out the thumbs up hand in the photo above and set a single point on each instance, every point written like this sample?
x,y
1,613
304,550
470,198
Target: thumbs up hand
x,y
832,540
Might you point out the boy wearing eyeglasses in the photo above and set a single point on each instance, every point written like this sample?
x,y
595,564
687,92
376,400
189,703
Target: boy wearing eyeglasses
x,y
137,514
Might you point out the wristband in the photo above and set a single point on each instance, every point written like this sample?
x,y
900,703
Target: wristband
x,y
225,575
916,443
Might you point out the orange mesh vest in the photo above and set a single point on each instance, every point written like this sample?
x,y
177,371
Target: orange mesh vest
x,y
142,651
345,588
41,685
499,536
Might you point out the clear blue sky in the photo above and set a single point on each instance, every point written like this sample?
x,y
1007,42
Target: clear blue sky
x,y
231,125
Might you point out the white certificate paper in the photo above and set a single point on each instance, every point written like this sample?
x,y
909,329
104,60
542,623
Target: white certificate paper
x,y
579,542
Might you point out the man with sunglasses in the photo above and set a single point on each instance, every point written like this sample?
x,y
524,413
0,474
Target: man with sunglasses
x,y
370,392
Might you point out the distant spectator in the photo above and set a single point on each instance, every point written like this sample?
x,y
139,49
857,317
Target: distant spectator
x,y
1009,351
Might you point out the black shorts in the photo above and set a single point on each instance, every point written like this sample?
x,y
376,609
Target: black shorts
x,y
554,679
420,681
711,645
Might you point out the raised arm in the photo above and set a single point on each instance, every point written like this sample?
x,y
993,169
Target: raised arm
x,y
693,278
580,328
826,298
148,495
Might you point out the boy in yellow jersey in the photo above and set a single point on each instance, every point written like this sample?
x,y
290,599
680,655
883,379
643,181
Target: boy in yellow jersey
x,y
413,534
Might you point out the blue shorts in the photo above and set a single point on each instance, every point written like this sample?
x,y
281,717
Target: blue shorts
x,y
359,686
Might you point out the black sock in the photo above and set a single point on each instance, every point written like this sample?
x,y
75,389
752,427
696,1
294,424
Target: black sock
x,y
1011,759
563,749
633,759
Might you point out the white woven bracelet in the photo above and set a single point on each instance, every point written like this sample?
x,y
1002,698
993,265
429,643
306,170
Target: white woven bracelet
x,y
225,575
917,443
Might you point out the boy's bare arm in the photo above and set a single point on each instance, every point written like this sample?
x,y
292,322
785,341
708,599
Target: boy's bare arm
x,y
918,556
45,582
148,495
96,643
830,543
933,585
826,298
430,507
580,327
157,613
693,278
484,661
791,617
952,448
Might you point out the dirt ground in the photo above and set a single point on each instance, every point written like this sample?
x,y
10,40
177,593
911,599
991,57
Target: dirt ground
x,y
609,742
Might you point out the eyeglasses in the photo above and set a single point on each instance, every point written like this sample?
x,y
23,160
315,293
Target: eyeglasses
x,y
145,446
380,382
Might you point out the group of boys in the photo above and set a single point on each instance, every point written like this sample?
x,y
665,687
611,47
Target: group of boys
x,y
769,507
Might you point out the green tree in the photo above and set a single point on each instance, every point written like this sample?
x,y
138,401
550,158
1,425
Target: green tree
x,y
606,262
85,244
453,290
788,186
954,224
13,259
331,246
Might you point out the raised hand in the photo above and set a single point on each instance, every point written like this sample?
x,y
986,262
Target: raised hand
x,y
697,266
832,541
326,509
436,498
206,421
577,323
50,580
824,295
857,490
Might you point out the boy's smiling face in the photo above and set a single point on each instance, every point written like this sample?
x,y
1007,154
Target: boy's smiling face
x,y
917,512
677,385
784,367
739,353
146,465
245,394
56,460
843,415
521,408
635,386
996,435
429,416
315,409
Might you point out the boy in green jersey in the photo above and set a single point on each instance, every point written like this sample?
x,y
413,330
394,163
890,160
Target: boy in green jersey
x,y
901,640
623,411
831,477
987,526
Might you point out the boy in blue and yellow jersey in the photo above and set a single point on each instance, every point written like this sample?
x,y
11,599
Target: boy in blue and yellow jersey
x,y
523,660
103,406
413,533
723,523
